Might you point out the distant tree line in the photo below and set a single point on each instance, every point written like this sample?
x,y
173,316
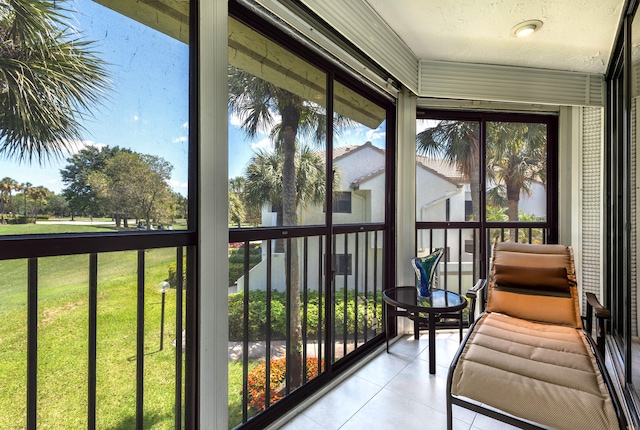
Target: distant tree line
x,y
108,181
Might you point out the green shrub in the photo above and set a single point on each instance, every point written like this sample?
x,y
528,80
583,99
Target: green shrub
x,y
236,261
258,314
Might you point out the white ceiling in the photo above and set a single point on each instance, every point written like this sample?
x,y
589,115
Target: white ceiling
x,y
577,35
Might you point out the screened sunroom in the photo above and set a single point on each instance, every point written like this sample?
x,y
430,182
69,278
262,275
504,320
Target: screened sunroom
x,y
337,140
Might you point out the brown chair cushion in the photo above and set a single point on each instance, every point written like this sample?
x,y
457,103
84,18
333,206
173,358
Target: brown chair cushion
x,y
539,278
532,307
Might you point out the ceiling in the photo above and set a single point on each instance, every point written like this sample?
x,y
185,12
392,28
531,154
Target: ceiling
x,y
576,35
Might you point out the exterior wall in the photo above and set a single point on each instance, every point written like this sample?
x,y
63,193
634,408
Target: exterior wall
x,y
367,205
535,204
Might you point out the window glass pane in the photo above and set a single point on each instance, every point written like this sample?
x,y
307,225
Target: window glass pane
x,y
119,154
357,303
358,157
447,170
277,134
516,178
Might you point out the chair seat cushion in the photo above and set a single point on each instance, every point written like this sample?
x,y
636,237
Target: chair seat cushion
x,y
540,372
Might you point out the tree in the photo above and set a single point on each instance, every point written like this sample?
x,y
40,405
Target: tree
x,y
263,182
78,192
38,195
516,157
258,103
25,187
7,186
236,209
252,214
50,79
181,205
57,205
458,142
132,184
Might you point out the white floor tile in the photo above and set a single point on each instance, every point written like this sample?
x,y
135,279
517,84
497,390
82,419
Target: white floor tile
x,y
395,390
336,407
382,369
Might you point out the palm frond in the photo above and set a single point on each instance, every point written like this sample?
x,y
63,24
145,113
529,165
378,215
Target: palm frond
x,y
50,81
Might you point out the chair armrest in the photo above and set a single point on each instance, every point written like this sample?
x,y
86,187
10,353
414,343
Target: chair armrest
x,y
479,286
602,314
601,311
472,295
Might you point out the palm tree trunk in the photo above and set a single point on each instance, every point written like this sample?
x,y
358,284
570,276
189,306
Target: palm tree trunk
x,y
513,197
290,121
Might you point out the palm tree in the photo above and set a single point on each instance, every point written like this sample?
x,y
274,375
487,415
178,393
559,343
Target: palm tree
x,y
263,182
458,142
26,189
516,157
237,210
11,186
49,76
4,197
258,103
38,195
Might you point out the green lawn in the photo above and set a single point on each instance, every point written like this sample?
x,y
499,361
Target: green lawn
x,y
62,340
54,226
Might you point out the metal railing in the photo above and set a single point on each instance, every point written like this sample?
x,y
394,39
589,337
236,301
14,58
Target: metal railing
x,y
75,331
466,259
301,321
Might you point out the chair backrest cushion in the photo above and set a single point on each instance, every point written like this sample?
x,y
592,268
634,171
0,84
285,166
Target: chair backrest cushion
x,y
534,282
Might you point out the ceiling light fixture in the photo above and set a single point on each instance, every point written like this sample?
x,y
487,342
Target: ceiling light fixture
x,y
526,28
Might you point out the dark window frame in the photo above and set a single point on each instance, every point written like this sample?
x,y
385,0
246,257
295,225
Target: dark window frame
x,y
384,231
550,225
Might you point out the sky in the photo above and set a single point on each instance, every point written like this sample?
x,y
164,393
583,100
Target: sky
x,y
241,148
147,107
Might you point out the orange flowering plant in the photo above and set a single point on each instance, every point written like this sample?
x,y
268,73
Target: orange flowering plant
x,y
257,379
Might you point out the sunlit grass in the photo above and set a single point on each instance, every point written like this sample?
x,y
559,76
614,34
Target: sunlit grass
x,y
80,225
63,342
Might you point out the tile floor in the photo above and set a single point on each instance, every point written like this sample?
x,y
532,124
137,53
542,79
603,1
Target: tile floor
x,y
394,391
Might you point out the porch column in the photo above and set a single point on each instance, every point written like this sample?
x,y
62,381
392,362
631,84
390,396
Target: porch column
x,y
406,193
213,228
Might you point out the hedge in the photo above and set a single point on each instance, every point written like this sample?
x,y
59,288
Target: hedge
x,y
258,314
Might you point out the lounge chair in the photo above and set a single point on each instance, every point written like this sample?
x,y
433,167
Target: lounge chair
x,y
527,360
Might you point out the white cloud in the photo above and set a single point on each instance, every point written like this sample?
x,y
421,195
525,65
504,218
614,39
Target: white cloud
x,y
178,185
264,144
376,134
54,183
185,125
73,147
135,117
235,120
423,124
180,139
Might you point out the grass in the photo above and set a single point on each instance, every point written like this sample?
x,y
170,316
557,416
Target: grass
x,y
235,391
54,226
63,340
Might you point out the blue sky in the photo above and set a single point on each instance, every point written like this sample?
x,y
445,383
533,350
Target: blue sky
x,y
241,149
147,109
